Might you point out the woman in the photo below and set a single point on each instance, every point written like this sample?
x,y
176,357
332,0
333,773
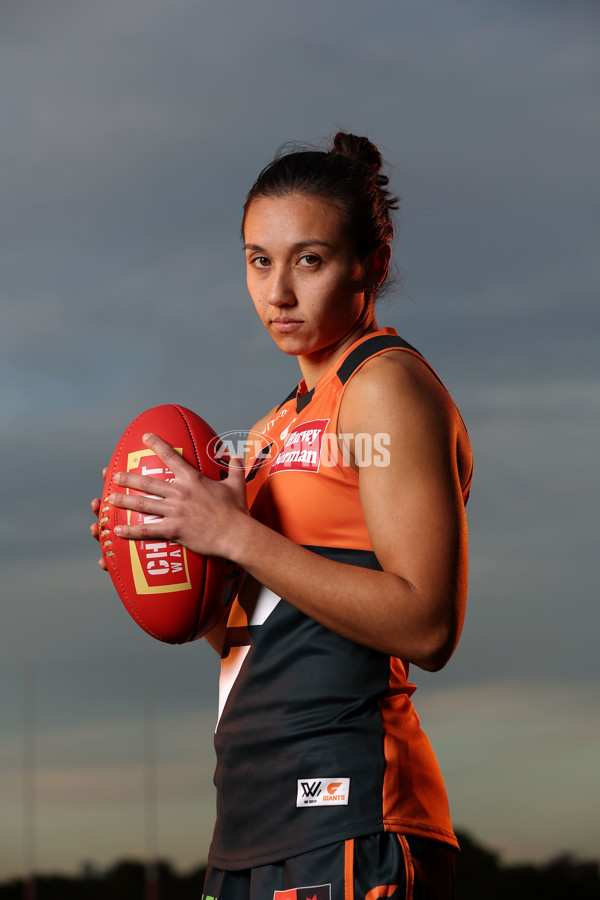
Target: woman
x,y
352,530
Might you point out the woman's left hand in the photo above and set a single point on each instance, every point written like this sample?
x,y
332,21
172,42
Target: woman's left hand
x,y
195,511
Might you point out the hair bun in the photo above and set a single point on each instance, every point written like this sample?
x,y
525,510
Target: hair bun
x,y
358,149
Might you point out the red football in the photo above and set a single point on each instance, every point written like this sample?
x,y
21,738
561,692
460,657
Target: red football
x,y
172,593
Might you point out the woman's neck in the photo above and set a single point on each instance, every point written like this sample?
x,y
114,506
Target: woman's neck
x,y
314,365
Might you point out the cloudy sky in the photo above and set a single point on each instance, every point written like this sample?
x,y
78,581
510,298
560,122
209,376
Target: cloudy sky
x,y
131,130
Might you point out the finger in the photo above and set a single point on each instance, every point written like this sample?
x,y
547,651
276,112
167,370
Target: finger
x,y
236,464
103,565
95,504
144,532
236,472
140,503
104,471
95,531
153,487
166,453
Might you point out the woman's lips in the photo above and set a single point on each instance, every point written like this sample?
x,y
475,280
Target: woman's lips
x,y
283,324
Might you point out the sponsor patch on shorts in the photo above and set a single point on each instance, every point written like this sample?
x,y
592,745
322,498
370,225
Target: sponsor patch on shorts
x,y
315,892
323,792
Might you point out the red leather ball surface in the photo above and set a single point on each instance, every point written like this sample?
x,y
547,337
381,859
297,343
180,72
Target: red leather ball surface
x,y
172,593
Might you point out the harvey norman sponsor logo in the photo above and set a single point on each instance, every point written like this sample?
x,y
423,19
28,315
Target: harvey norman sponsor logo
x,y
309,446
301,449
323,792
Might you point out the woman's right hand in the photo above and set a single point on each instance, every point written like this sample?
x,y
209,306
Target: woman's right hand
x,y
94,527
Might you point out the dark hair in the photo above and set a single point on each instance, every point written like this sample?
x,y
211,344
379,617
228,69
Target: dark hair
x,y
348,174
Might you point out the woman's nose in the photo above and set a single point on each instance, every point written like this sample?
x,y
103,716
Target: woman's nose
x,y
280,291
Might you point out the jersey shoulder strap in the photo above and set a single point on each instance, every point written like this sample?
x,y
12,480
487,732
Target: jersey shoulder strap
x,y
354,359
369,348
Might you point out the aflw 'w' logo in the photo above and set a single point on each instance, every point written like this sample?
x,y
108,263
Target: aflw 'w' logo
x,y
311,788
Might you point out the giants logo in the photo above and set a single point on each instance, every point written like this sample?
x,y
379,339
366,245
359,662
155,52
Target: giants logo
x,y
301,451
323,792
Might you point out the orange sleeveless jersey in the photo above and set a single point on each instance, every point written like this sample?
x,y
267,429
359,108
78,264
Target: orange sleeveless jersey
x,y
324,724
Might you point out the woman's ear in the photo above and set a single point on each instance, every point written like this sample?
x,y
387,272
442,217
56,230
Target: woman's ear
x,y
377,265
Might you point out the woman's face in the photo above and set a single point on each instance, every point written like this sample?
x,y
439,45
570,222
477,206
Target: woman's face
x,y
306,282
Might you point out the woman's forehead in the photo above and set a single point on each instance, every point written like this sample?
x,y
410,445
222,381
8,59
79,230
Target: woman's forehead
x,y
293,217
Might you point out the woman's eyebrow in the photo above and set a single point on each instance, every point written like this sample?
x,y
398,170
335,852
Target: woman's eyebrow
x,y
311,242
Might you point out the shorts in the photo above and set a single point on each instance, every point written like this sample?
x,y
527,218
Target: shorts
x,y
365,868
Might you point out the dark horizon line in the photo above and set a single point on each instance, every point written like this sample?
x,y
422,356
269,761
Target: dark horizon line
x,y
470,847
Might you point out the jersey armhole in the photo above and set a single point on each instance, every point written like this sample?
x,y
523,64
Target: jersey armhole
x,y
367,350
371,349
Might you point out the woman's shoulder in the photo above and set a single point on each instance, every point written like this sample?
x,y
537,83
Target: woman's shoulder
x,y
400,389
400,378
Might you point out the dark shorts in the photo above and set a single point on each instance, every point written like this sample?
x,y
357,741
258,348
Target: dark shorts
x,y
366,868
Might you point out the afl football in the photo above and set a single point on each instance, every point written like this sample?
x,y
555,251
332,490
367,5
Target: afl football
x,y
172,593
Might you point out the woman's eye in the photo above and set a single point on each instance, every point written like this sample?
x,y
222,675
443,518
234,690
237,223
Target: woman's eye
x,y
309,260
260,262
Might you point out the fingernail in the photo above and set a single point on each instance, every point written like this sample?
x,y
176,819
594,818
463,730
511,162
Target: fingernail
x,y
117,529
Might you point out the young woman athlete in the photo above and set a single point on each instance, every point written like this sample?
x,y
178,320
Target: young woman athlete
x,y
350,524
